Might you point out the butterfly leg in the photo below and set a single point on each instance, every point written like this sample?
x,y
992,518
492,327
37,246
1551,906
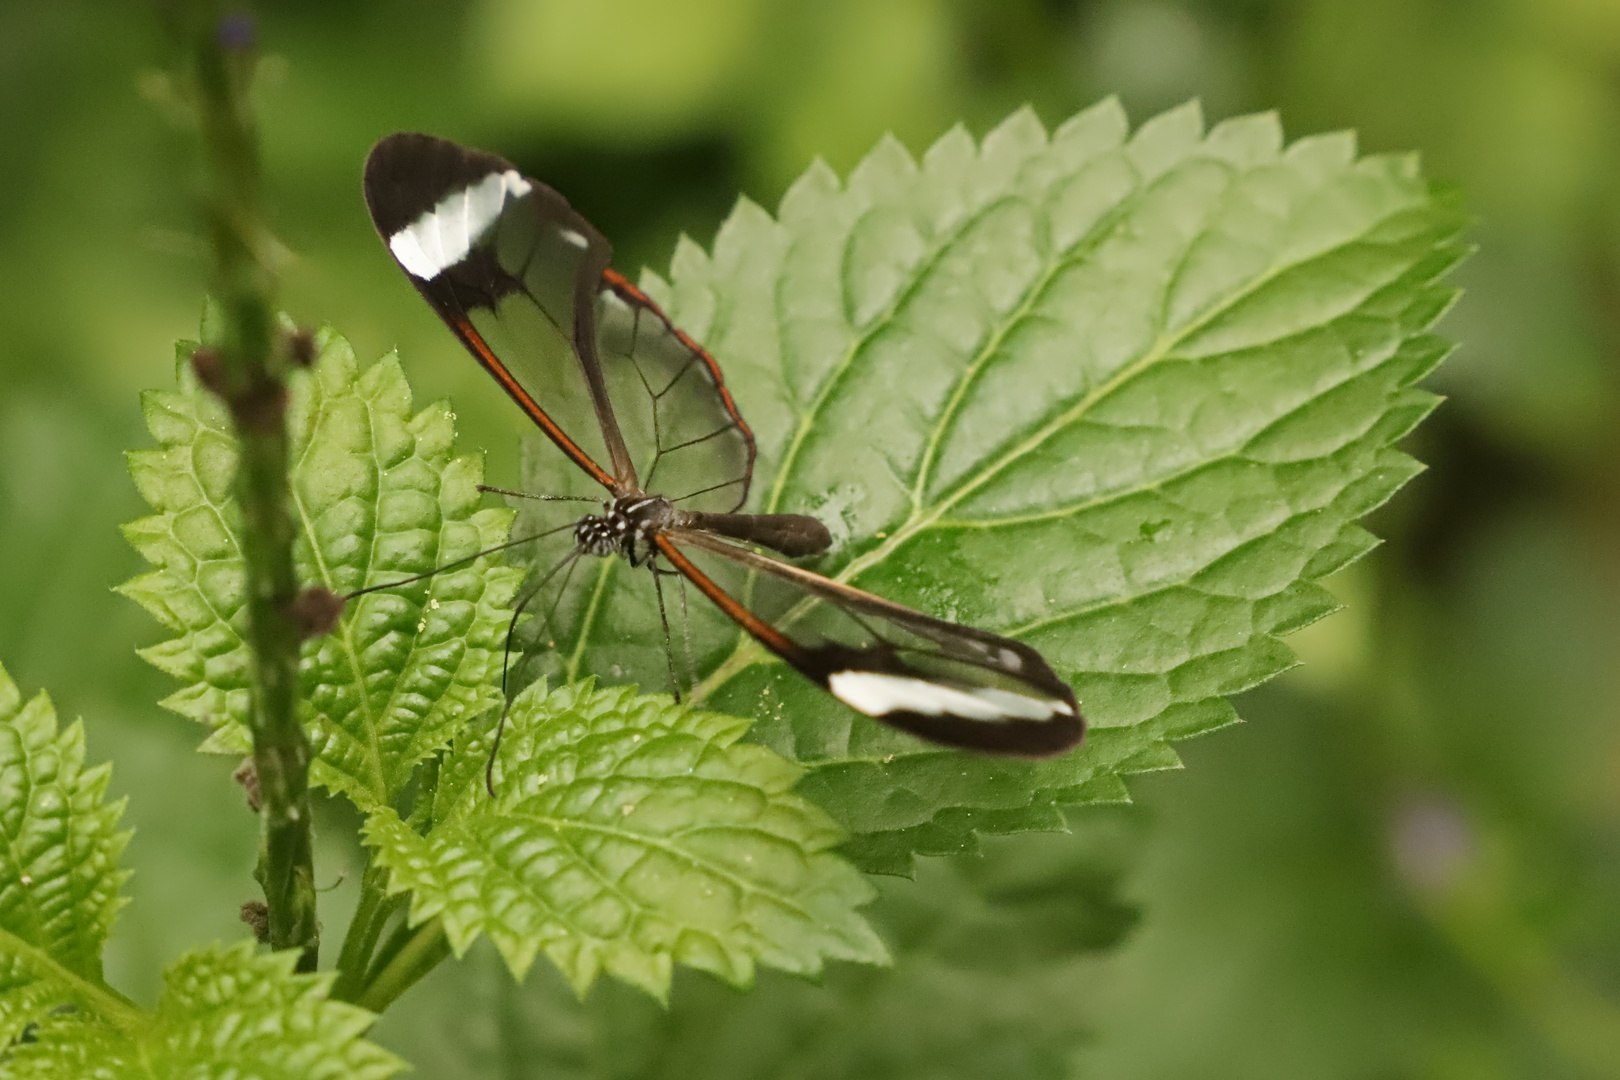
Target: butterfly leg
x,y
663,617
569,562
686,631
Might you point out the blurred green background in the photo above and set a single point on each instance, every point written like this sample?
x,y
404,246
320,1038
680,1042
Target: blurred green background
x,y
1406,865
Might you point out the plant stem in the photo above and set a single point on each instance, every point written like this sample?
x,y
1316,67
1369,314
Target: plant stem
x,y
418,954
370,915
249,381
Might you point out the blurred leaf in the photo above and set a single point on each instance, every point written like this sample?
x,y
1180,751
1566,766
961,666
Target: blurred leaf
x,y
1155,54
628,833
1121,397
380,498
224,1012
1277,943
623,67
993,968
59,878
839,74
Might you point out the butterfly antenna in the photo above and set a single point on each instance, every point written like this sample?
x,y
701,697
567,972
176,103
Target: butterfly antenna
x,y
669,641
537,498
455,563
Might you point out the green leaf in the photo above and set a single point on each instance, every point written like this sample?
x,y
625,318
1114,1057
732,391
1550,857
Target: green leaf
x,y
628,833
59,875
224,1012
995,969
380,497
1120,396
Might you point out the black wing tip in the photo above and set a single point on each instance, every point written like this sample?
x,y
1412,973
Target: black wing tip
x,y
1002,738
410,172
1009,735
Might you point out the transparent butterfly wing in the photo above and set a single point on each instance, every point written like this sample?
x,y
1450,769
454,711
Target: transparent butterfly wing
x,y
524,281
950,684
688,441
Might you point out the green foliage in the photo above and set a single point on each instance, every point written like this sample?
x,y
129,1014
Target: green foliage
x,y
59,877
658,839
224,1012
1475,656
1122,396
381,498
994,960
627,833
223,1009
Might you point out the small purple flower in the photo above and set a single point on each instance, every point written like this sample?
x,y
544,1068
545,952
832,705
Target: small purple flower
x,y
236,32
1433,842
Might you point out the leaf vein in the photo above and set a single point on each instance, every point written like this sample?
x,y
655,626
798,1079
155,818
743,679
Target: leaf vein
x,y
830,381
1154,354
674,851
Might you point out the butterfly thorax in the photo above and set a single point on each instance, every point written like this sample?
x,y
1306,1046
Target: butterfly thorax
x,y
627,527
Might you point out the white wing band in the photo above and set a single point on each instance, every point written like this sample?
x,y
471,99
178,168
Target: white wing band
x,y
877,694
442,237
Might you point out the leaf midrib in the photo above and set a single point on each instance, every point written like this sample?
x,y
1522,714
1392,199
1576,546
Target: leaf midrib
x,y
371,744
108,1002
748,652
193,579
560,825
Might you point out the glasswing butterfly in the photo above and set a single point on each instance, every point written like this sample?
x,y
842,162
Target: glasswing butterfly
x,y
525,282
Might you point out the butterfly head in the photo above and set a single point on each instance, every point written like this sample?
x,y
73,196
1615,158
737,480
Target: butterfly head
x,y
601,534
626,528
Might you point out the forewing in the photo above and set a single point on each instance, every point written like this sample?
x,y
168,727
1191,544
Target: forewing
x,y
515,272
524,281
686,437
950,684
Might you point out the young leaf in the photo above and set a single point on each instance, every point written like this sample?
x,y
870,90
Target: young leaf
x,y
224,1012
59,875
628,833
995,965
1120,396
381,498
